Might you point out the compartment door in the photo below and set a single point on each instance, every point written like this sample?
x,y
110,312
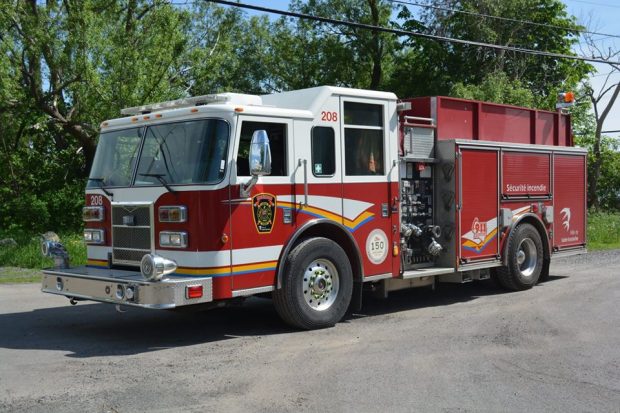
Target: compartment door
x,y
478,204
569,201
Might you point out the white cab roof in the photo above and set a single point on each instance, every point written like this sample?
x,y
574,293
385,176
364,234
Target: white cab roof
x,y
303,103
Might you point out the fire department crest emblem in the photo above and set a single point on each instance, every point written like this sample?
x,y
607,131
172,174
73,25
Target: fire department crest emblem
x,y
264,208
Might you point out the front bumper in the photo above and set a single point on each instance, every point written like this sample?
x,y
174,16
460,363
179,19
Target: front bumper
x,y
105,285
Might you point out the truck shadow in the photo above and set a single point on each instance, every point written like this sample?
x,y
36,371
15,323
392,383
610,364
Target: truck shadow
x,y
444,294
98,330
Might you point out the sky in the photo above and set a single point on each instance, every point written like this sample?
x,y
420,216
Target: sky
x,y
597,15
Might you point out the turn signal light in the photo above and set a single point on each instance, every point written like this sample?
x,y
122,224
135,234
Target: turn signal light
x,y
175,213
569,97
193,291
565,100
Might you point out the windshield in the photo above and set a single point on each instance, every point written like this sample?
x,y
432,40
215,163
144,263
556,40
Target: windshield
x,y
115,158
191,152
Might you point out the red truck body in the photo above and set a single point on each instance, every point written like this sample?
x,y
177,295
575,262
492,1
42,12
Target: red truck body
x,y
313,195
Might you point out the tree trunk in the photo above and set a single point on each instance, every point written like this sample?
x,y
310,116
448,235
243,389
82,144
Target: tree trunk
x,y
375,78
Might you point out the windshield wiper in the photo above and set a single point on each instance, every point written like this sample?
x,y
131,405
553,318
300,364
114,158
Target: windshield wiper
x,y
101,181
160,178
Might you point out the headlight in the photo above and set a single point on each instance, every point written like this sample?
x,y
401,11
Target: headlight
x,y
94,236
173,239
92,213
172,214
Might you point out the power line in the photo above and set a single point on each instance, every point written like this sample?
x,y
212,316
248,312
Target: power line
x,y
410,33
552,26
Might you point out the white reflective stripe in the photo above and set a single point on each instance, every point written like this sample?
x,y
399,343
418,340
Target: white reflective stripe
x,y
205,258
97,252
197,259
222,258
259,254
352,207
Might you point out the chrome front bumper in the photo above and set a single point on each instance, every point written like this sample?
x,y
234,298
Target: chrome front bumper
x,y
106,285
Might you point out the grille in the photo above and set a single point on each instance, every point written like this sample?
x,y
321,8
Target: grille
x,y
131,233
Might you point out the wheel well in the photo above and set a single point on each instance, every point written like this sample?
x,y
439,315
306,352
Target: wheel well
x,y
331,231
536,223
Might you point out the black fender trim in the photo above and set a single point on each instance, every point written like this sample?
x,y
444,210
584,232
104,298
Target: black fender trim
x,y
308,229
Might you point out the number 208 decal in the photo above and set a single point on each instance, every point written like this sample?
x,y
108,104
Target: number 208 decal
x,y
329,116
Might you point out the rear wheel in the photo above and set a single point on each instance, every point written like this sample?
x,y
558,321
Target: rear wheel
x,y
317,285
525,259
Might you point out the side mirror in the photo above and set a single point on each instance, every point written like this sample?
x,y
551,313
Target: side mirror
x,y
260,154
260,161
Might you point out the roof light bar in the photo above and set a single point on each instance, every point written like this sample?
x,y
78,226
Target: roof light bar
x,y
179,103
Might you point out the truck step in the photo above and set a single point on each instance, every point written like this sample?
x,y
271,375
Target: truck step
x,y
426,272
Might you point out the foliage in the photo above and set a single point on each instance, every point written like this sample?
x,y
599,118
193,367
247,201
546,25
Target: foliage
x,y
496,87
608,180
69,64
337,54
608,188
27,252
441,65
603,230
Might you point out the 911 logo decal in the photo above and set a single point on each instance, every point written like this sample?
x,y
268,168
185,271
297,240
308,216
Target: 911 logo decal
x,y
264,211
479,230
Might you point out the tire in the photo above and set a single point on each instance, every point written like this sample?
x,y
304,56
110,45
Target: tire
x,y
317,285
525,259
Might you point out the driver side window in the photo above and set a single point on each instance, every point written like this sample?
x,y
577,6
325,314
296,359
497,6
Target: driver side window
x,y
277,143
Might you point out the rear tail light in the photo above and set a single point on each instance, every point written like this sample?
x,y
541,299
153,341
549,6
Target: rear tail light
x,y
94,236
92,213
172,214
193,291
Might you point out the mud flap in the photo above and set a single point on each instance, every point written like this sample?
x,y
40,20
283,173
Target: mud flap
x,y
356,297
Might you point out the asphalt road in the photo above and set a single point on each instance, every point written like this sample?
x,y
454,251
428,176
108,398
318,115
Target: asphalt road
x,y
461,348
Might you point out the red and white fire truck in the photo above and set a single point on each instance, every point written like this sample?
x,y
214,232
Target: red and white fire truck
x,y
312,195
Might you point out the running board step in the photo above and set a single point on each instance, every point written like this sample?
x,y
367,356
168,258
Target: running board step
x,y
426,272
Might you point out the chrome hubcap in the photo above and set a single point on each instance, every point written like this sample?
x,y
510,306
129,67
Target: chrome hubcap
x,y
320,284
527,257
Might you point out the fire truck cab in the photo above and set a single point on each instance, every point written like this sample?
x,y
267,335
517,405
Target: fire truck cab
x,y
311,195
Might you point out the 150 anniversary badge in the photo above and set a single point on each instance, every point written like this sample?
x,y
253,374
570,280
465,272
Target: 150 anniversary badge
x,y
264,209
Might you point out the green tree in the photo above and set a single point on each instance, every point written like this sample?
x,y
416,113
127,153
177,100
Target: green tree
x,y
603,153
66,66
227,51
441,65
496,87
334,54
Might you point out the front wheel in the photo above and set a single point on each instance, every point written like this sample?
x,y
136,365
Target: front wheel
x,y
317,285
525,259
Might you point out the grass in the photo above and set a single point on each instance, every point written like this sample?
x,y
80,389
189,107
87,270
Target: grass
x,y
603,231
23,262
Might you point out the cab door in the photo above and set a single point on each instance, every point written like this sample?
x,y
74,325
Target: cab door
x,y
368,168
258,224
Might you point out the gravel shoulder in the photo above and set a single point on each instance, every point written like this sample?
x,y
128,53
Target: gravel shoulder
x,y
460,348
